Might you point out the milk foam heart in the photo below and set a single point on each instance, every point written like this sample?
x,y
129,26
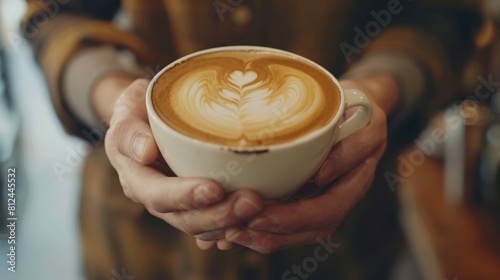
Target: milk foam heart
x,y
245,99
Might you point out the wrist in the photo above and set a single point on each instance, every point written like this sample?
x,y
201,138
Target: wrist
x,y
106,91
381,89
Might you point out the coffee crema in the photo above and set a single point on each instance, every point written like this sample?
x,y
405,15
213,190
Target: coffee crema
x,y
246,99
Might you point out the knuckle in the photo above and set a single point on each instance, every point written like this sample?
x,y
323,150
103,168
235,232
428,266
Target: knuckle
x,y
202,197
118,136
223,217
131,97
136,91
141,83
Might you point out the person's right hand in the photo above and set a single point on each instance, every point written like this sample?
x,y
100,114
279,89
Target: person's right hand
x,y
196,206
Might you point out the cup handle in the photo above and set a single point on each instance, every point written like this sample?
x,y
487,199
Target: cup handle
x,y
362,116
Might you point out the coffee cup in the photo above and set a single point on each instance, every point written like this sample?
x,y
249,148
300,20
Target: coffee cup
x,y
250,117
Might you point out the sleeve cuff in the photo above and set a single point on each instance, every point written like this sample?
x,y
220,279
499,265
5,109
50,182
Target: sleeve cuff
x,y
409,75
84,69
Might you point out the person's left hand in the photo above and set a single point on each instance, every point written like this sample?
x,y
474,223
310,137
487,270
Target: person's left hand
x,y
351,165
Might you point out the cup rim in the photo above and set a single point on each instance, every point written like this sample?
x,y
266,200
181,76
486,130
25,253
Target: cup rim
x,y
153,116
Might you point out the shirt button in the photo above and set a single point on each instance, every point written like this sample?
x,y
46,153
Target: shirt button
x,y
242,15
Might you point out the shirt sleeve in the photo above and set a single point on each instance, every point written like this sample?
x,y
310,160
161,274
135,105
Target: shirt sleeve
x,y
85,69
408,73
424,47
57,30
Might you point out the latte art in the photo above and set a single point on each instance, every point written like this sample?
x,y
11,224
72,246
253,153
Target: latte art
x,y
245,99
239,106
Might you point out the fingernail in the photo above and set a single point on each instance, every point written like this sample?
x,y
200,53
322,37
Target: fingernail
x,y
204,195
241,237
265,223
328,171
245,208
139,145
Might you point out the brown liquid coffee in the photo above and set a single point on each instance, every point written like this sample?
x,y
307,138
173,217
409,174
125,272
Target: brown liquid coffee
x,y
245,98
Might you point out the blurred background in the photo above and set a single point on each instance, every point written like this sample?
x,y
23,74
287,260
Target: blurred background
x,y
449,203
32,141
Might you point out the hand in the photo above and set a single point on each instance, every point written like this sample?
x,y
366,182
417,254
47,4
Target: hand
x,y
351,165
196,206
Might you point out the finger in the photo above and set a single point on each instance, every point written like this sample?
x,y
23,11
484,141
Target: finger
x,y
129,133
267,243
221,244
237,208
131,102
321,212
350,152
132,138
205,245
211,235
162,194
225,245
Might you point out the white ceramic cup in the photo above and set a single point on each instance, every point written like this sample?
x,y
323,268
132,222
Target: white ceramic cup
x,y
274,172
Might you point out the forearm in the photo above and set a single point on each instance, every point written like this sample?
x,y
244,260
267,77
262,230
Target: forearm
x,y
105,93
395,80
381,89
65,34
425,57
92,80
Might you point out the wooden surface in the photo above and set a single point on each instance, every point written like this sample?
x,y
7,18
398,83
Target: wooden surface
x,y
453,242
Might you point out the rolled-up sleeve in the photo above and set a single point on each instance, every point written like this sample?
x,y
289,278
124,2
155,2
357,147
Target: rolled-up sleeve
x,y
58,31
85,69
424,48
